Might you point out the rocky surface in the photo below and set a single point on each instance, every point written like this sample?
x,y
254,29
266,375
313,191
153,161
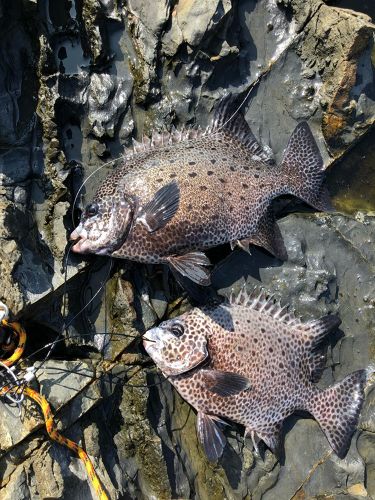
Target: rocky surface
x,y
77,81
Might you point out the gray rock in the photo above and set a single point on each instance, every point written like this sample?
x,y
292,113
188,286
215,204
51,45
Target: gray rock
x,y
76,81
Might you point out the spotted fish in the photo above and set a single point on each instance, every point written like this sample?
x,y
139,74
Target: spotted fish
x,y
255,363
181,193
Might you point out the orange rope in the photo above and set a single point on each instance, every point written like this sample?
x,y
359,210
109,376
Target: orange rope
x,y
47,412
21,334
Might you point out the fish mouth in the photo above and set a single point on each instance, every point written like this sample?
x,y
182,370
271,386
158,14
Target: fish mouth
x,y
147,341
82,243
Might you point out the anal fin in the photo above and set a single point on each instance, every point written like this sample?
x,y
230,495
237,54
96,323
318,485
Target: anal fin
x,y
224,384
271,436
193,266
211,437
244,245
268,236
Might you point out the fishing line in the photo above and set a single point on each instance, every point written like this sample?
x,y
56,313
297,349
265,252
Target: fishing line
x,y
127,155
236,111
66,326
22,383
89,177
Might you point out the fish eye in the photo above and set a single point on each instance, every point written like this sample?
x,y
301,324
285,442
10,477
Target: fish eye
x,y
177,330
92,209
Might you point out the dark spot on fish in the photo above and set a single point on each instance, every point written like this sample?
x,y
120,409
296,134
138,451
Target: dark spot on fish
x,y
255,340
203,188
235,157
191,162
205,206
262,330
261,186
232,168
222,180
292,364
192,174
190,206
225,159
242,198
209,172
253,353
244,185
257,168
272,374
231,209
239,348
159,180
270,349
246,167
256,176
213,161
283,352
171,160
265,362
172,175
281,365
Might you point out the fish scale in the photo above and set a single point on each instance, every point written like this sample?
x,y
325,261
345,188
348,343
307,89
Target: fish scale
x,y
254,363
180,194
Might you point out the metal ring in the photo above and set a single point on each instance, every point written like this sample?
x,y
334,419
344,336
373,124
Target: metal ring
x,y
15,381
4,311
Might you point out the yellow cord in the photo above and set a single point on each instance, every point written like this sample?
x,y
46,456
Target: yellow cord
x,y
46,409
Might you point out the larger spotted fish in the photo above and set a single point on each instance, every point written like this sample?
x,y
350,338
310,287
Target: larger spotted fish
x,y
185,192
253,362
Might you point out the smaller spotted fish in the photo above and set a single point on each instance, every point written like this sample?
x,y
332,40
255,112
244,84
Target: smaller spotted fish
x,y
255,363
179,194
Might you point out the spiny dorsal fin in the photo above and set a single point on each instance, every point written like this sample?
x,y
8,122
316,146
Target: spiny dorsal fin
x,y
228,117
163,139
259,300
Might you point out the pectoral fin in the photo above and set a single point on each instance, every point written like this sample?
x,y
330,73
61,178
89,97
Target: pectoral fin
x,y
211,437
160,210
192,265
224,383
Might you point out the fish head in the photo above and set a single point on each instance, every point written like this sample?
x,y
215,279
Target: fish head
x,y
105,223
178,345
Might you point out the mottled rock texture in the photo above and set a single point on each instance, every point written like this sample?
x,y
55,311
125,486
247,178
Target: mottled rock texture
x,y
78,79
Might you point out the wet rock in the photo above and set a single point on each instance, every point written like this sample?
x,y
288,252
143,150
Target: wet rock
x,y
77,80
107,100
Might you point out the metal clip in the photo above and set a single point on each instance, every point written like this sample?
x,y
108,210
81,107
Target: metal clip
x,y
4,311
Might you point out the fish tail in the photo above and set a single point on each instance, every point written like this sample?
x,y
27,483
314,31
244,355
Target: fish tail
x,y
303,170
337,410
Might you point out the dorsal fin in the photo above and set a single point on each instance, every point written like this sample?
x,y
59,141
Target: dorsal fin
x,y
228,117
259,300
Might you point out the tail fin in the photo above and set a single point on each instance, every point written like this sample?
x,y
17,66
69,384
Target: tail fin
x,y
302,166
337,410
